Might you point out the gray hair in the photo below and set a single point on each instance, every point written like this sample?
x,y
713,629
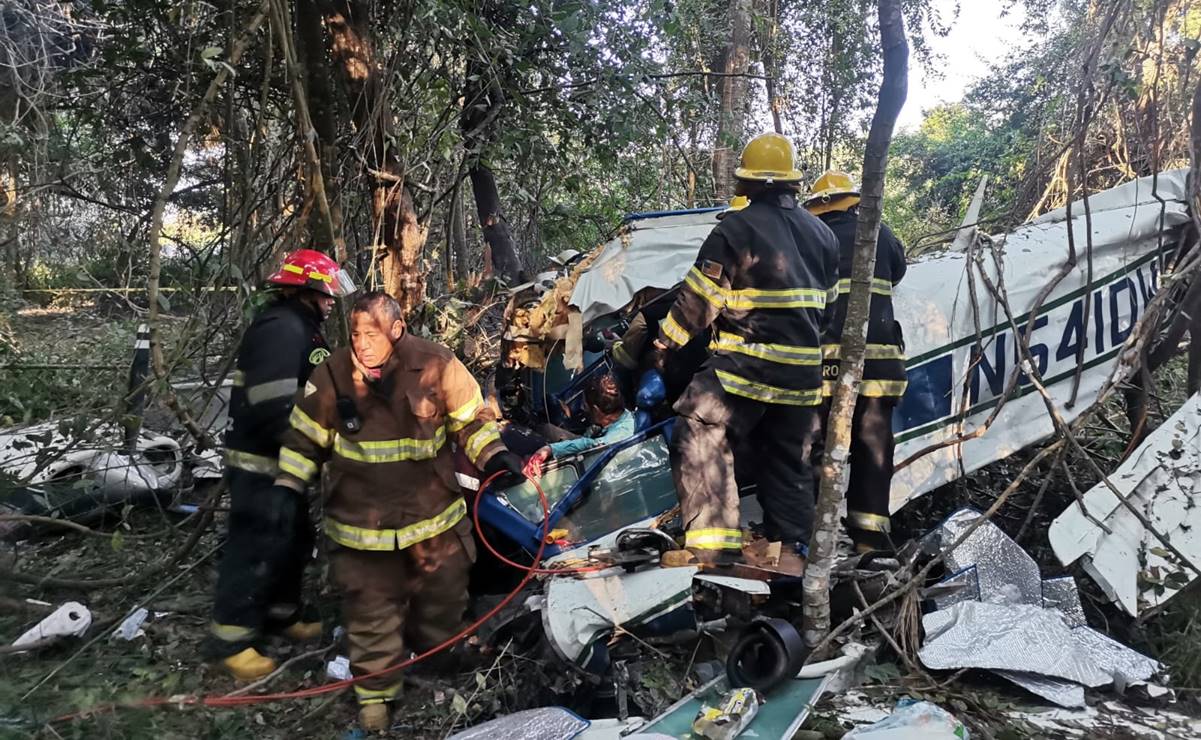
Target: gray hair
x,y
380,305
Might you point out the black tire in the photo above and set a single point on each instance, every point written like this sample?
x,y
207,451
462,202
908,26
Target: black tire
x,y
768,653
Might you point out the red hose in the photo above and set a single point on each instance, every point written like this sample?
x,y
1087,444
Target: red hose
x,y
235,701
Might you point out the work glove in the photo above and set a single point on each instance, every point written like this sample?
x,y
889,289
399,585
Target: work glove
x,y
508,465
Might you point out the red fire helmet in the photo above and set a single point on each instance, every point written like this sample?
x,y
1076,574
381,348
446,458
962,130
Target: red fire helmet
x,y
308,268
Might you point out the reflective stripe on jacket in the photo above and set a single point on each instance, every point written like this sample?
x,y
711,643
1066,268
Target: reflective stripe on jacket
x,y
763,279
391,484
884,361
279,351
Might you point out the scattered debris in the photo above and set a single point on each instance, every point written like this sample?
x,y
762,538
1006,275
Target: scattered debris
x,y
784,709
913,720
545,723
72,619
1004,618
338,668
131,627
726,719
1162,481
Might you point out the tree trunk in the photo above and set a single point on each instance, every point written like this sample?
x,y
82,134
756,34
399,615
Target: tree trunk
x,y
767,54
483,99
398,236
835,472
733,87
319,86
457,254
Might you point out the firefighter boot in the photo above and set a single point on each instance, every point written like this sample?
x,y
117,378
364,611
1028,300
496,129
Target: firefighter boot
x,y
249,665
374,717
302,631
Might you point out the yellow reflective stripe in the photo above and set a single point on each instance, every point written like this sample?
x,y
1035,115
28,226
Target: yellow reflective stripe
x,y
238,378
870,352
673,331
785,354
872,388
386,540
879,286
740,386
713,538
745,299
749,298
484,436
869,522
390,450
882,388
231,632
376,696
705,288
319,435
260,464
295,464
466,413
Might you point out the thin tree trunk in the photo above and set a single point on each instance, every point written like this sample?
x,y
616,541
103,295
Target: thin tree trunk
x,y
770,67
483,100
733,86
835,471
319,86
401,237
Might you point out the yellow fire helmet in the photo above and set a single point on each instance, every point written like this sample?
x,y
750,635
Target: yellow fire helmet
x,y
833,191
769,158
737,203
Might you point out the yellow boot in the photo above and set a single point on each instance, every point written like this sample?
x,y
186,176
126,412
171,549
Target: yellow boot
x,y
302,631
249,665
374,717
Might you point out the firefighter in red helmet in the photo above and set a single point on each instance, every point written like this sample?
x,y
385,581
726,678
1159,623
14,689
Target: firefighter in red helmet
x,y
270,536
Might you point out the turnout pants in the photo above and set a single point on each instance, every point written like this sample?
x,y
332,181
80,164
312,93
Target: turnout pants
x,y
260,577
401,601
781,437
872,448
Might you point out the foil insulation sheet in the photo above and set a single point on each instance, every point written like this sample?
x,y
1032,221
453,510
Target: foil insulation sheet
x,y
546,723
1063,693
1061,594
1008,637
1035,648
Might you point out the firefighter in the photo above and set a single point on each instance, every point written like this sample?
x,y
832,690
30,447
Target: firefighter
x,y
270,537
380,417
835,200
762,279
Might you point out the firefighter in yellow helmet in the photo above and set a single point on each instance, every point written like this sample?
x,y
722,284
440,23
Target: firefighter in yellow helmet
x,y
835,200
762,280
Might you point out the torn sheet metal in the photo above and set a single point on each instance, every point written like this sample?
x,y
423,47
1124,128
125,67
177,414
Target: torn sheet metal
x,y
947,374
1061,693
1162,479
579,613
544,723
47,452
72,619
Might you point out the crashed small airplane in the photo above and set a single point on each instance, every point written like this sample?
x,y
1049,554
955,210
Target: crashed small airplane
x,y
963,311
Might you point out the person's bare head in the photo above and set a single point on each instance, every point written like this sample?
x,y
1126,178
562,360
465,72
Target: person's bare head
x,y
376,322
603,397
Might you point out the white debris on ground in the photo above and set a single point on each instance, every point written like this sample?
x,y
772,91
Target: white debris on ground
x,y
1162,479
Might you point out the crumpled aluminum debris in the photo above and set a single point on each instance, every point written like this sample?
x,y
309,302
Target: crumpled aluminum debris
x,y
996,612
1009,637
545,723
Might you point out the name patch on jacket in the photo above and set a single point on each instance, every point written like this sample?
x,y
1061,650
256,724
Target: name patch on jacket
x,y
711,269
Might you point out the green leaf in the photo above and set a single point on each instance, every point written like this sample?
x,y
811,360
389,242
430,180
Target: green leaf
x,y
480,680
118,541
882,672
459,703
211,52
